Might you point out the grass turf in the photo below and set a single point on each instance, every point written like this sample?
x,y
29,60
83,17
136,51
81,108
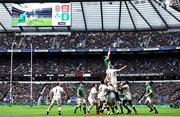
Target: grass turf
x,y
68,111
38,22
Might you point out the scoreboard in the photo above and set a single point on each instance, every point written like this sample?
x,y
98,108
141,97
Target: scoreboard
x,y
61,14
41,14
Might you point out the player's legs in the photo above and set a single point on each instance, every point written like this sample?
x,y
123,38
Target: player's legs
x,y
121,107
108,112
112,105
98,108
101,108
148,103
133,107
116,108
98,105
59,109
116,100
59,106
79,104
154,107
89,109
84,105
92,104
125,106
50,106
102,103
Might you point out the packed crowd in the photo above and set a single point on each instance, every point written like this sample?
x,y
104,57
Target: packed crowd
x,y
91,40
90,64
165,92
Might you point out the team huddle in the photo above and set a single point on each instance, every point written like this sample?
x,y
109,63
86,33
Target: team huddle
x,y
108,96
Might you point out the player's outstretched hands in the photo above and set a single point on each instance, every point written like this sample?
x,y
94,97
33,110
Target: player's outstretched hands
x,y
125,66
122,68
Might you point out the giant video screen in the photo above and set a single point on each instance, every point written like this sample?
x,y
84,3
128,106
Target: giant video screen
x,y
41,14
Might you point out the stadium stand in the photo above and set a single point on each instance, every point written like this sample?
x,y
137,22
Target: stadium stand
x,y
64,64
92,40
163,95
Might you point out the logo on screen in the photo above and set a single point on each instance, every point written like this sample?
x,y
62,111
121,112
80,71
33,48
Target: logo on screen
x,y
65,8
57,8
65,16
57,16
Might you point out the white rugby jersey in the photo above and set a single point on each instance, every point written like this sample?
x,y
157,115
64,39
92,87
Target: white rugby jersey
x,y
113,75
57,91
93,93
102,89
126,91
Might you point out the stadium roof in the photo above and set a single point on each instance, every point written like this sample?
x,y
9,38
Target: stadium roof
x,y
128,15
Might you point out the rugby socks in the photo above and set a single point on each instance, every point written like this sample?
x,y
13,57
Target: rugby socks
x,y
116,107
76,109
47,113
121,109
108,111
89,109
84,108
155,109
97,110
117,111
101,108
129,111
134,109
151,109
80,108
59,111
112,108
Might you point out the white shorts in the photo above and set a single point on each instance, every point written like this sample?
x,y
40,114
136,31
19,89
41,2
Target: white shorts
x,y
81,101
57,100
92,101
127,97
101,97
148,100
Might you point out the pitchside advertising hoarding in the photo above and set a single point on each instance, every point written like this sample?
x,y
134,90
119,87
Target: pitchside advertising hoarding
x,y
41,14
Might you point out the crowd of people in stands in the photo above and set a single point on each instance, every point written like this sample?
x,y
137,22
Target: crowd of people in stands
x,y
165,92
90,64
91,40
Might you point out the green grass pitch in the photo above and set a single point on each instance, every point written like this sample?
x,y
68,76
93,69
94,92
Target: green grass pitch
x,y
38,22
19,111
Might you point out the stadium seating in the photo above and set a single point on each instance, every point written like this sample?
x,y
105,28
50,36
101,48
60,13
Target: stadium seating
x,y
64,64
92,40
21,91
